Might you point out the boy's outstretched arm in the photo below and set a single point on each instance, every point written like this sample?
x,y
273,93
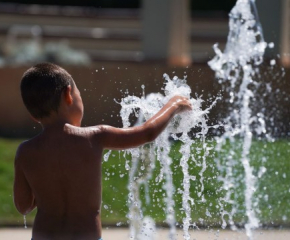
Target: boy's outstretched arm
x,y
24,199
123,138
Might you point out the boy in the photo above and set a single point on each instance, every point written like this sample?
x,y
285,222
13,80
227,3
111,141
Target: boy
x,y
59,171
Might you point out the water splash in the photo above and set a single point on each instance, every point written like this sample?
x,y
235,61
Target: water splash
x,y
25,221
245,43
237,68
144,108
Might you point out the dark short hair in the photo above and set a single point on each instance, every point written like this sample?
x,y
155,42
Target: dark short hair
x,y
41,88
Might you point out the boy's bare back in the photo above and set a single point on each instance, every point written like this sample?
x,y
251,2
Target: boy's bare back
x,y
59,171
63,169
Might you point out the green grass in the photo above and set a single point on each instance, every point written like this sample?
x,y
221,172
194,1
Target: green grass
x,y
272,195
8,213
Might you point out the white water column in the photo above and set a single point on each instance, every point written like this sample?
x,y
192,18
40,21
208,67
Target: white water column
x,y
275,20
166,35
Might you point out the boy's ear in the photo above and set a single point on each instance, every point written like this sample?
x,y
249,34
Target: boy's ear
x,y
67,95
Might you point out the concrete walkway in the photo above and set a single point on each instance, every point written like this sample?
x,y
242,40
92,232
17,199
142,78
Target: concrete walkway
x,y
123,234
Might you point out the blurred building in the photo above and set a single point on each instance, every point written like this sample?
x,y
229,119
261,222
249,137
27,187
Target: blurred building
x,y
138,32
174,31
98,40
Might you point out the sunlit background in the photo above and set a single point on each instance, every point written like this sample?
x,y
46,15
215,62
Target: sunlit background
x,y
112,48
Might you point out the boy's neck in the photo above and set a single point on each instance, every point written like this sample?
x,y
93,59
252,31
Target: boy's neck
x,y
56,121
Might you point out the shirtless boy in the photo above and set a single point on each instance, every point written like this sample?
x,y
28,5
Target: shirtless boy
x,y
59,170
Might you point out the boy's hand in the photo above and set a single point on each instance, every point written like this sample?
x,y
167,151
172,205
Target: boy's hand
x,y
124,138
182,103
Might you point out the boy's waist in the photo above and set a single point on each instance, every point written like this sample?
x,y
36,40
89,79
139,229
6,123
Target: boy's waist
x,y
69,212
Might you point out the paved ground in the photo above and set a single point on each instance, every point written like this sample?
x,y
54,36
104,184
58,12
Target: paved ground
x,y
122,234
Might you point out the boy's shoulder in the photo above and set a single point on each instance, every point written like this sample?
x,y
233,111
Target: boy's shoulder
x,y
22,151
26,145
85,132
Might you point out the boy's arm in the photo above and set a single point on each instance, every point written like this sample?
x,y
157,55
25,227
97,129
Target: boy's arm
x,y
123,138
24,199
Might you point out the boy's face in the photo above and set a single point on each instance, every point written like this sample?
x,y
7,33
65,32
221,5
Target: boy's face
x,y
77,109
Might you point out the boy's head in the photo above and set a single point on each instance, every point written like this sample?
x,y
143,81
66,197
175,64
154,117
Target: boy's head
x,y
41,88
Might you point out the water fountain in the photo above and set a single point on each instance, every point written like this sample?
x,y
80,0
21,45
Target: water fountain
x,y
237,69
182,124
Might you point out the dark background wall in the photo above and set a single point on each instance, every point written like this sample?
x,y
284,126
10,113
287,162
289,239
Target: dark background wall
x,y
224,5
103,84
